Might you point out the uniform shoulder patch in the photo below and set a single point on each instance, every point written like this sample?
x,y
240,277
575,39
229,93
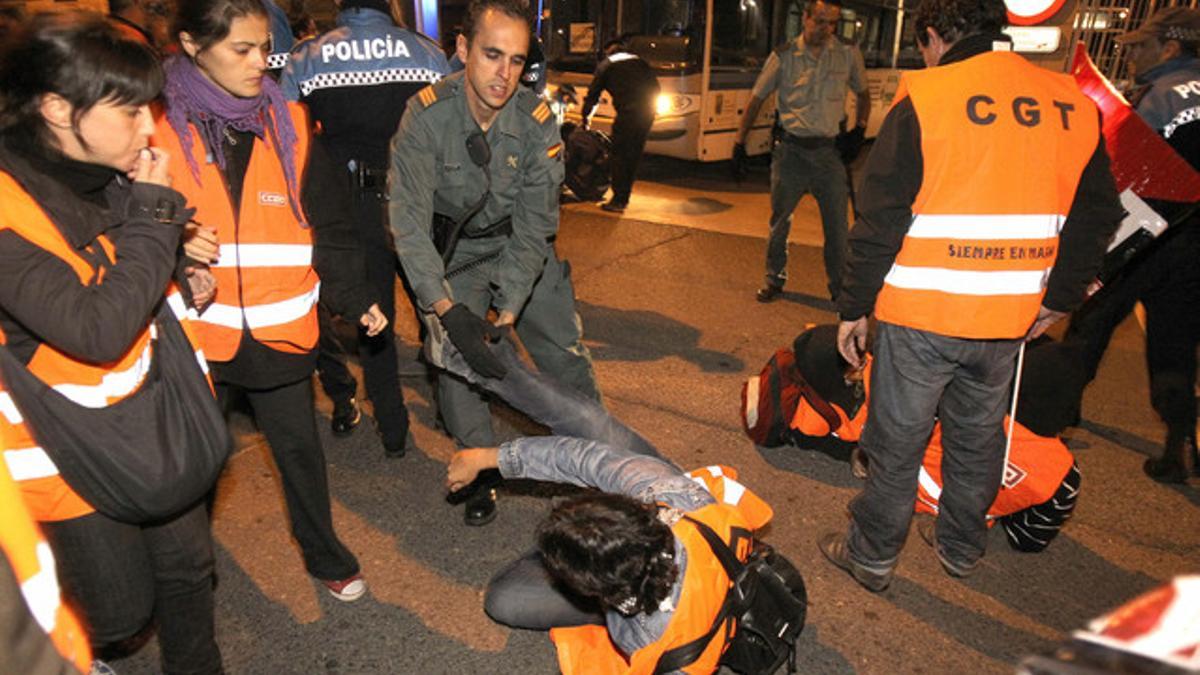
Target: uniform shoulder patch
x,y
441,90
531,103
427,96
541,113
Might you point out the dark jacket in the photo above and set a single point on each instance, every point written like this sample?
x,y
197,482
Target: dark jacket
x,y
631,82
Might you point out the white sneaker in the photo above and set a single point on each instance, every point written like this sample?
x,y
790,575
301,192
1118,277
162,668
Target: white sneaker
x,y
347,590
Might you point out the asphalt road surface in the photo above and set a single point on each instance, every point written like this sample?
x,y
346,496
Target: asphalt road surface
x,y
666,298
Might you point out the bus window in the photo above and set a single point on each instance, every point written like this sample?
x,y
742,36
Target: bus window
x,y
741,33
669,34
575,33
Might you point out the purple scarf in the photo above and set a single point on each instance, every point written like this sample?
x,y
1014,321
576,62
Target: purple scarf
x,y
192,97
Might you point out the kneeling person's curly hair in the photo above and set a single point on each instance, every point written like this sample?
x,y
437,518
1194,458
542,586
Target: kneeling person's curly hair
x,y
611,548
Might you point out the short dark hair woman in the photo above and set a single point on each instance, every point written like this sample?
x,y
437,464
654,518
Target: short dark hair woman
x,y
270,224
89,233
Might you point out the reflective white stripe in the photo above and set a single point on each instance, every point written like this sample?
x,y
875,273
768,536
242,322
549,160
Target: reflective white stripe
x,y
9,409
963,282
41,590
180,310
714,470
277,61
733,491
113,384
929,484
259,316
752,402
976,227
368,78
29,463
265,255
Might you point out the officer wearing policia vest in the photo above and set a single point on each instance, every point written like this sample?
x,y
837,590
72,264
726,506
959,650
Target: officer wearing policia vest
x,y
355,80
986,206
504,259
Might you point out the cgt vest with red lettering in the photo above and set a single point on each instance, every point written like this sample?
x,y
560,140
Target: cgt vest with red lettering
x,y
33,563
810,422
1004,143
587,650
265,278
1036,468
83,382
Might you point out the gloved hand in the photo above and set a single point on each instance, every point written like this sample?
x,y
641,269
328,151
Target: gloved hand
x,y
470,333
850,143
740,164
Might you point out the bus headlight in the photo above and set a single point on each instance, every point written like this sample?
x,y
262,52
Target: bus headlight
x,y
671,104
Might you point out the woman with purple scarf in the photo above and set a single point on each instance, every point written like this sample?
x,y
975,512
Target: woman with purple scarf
x,y
270,227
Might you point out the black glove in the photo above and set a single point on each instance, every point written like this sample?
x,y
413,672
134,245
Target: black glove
x,y
470,334
740,164
850,143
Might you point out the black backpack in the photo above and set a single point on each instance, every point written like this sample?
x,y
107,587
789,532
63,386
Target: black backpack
x,y
764,608
587,154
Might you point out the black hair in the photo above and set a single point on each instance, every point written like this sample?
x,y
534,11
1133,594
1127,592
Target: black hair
x,y
953,20
79,56
812,5
517,9
611,548
615,42
208,21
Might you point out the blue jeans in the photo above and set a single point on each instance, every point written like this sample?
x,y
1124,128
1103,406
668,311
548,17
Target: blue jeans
x,y
799,167
915,377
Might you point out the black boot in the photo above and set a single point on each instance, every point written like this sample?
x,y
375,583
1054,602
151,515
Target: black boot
x,y
1171,467
479,498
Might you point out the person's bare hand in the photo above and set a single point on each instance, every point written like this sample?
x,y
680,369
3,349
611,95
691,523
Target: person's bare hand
x,y
200,243
505,318
202,283
852,341
374,321
1046,317
152,166
466,464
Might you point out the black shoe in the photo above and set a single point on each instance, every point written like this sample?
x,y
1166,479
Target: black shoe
x,y
613,207
396,450
768,293
1164,470
345,417
833,546
480,508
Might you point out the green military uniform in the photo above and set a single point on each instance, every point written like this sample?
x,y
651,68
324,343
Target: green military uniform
x,y
432,173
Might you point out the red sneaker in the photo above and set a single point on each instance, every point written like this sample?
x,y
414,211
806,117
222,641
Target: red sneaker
x,y
347,590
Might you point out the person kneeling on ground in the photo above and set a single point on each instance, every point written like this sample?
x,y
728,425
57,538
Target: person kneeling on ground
x,y
1041,481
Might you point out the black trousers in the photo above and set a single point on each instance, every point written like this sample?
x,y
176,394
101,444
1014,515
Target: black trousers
x,y
629,140
377,354
1167,282
285,416
117,576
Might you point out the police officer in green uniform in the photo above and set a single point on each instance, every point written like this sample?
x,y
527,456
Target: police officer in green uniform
x,y
476,166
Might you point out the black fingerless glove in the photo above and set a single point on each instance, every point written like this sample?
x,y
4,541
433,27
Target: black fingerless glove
x,y
470,334
740,161
849,143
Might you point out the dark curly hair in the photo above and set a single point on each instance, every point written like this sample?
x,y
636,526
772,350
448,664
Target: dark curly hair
x,y
81,57
517,9
611,548
956,19
209,21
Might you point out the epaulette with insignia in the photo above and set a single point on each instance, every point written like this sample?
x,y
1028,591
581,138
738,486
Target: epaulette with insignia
x,y
531,103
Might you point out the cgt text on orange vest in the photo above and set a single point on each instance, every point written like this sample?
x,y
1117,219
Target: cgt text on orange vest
x,y
1026,111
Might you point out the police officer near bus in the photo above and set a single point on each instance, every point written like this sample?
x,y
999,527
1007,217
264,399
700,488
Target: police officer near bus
x,y
810,77
986,207
476,165
355,80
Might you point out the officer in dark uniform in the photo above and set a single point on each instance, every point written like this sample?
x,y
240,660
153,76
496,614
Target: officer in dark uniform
x,y
355,80
480,152
1164,57
634,89
282,39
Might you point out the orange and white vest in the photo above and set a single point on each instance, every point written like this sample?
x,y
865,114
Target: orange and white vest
x,y
1036,468
587,650
812,423
1004,144
265,278
33,563
86,383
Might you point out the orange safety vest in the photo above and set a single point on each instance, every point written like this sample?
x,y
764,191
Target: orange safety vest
x,y
1004,143
588,649
1036,468
33,563
811,423
265,278
86,383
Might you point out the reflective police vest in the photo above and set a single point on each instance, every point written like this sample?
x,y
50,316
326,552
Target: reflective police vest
x,y
265,278
1004,144
33,563
588,649
85,383
810,422
1036,468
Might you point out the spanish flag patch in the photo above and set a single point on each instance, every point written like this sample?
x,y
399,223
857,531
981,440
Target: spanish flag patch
x,y
555,150
541,113
427,96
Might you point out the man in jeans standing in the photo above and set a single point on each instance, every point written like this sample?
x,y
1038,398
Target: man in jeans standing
x,y
987,204
810,77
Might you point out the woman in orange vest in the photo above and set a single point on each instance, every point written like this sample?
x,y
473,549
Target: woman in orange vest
x,y
89,235
270,226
